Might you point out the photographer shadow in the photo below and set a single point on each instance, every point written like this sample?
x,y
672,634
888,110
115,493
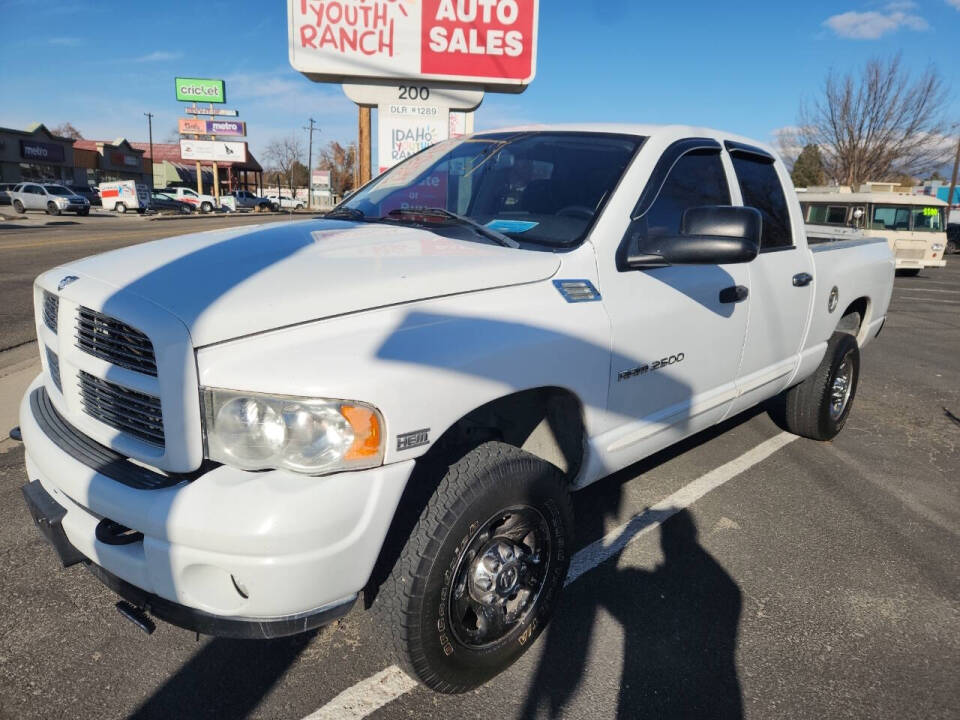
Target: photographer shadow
x,y
679,624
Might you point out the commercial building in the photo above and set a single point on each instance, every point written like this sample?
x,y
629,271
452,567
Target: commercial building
x,y
36,154
169,168
110,160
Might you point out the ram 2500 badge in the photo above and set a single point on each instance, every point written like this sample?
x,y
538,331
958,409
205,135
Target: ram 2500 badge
x,y
243,431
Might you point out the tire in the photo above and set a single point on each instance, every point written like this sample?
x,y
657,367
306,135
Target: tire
x,y
909,272
476,513
809,408
52,209
84,213
18,206
206,207
952,247
298,206
120,207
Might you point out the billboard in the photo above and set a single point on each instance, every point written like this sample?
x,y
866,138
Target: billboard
x,y
198,126
200,90
213,150
488,43
194,110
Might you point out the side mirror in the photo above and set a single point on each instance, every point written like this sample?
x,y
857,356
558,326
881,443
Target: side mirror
x,y
710,235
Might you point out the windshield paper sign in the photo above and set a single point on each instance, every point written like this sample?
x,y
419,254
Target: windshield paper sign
x,y
492,42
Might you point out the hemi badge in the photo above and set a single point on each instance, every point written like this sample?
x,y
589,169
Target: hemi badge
x,y
413,439
575,291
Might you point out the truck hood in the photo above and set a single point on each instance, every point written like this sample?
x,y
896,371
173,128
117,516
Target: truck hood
x,y
224,284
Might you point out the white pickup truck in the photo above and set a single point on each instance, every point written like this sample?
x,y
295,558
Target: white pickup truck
x,y
242,431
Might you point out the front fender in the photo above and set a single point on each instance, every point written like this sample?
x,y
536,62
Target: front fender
x,y
427,364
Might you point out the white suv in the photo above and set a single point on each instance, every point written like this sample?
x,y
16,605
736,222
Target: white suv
x,y
52,198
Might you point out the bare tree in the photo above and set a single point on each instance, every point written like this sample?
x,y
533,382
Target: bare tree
x,y
66,130
285,154
878,123
173,136
341,162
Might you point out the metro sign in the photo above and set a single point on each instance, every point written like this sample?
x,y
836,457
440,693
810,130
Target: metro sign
x,y
487,43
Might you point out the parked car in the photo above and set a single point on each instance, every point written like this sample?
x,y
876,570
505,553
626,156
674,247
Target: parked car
x,y
608,294
286,203
5,190
162,202
49,197
247,200
88,191
203,203
123,195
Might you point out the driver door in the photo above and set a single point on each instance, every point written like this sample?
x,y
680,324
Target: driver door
x,y
678,331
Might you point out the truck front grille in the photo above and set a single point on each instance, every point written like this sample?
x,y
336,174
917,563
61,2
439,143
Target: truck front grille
x,y
109,339
51,305
53,364
121,408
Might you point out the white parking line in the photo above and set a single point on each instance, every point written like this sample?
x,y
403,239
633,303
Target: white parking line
x,y
387,685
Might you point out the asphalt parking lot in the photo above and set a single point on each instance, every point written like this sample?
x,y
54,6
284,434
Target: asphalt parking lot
x,y
743,573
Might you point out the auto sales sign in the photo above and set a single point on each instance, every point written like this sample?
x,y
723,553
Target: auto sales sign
x,y
490,43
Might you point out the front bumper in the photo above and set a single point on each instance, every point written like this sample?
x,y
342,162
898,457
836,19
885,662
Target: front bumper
x,y
229,546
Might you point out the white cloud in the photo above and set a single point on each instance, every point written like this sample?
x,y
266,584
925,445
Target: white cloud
x,y
158,56
874,24
954,3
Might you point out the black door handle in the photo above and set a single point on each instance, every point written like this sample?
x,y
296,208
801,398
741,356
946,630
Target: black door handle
x,y
802,279
734,294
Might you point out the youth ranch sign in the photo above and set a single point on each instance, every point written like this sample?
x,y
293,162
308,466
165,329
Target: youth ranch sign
x,y
491,43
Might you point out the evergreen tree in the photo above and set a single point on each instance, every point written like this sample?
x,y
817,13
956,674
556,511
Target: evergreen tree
x,y
808,169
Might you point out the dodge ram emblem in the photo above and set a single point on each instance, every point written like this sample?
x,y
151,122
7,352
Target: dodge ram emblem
x,y
66,281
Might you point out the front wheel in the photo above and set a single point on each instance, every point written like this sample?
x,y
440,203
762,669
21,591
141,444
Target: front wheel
x,y
52,209
482,570
206,207
18,206
909,272
818,407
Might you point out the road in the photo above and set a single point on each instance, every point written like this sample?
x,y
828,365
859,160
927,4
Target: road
x,y
743,573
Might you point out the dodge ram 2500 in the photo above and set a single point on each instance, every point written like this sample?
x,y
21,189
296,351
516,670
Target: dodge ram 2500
x,y
242,431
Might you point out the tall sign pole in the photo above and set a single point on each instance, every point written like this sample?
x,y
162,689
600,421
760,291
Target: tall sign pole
x,y
310,163
364,145
150,131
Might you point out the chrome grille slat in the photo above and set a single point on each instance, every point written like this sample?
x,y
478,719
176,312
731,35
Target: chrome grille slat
x,y
51,305
121,408
116,342
53,364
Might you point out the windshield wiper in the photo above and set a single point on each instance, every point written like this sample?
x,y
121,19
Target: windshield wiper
x,y
347,213
487,232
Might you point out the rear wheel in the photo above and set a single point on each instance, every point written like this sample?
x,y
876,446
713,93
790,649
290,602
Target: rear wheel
x,y
482,571
120,207
818,407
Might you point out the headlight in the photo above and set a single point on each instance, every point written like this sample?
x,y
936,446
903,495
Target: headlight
x,y
937,247
306,435
62,202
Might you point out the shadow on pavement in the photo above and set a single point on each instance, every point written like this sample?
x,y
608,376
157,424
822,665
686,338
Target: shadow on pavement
x,y
225,679
679,624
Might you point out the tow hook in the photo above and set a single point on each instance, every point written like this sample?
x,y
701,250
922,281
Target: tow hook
x,y
137,616
15,434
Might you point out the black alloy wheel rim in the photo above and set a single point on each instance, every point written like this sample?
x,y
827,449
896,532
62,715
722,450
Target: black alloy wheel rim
x,y
499,576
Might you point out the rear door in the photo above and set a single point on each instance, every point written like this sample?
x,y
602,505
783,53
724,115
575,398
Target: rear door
x,y
677,336
781,278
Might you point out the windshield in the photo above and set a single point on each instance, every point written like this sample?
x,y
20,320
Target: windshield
x,y
545,188
58,190
927,219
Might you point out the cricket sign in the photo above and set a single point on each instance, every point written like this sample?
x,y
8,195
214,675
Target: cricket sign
x,y
484,43
213,150
199,126
200,90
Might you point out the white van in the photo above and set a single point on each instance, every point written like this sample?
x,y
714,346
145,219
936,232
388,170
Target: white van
x,y
124,195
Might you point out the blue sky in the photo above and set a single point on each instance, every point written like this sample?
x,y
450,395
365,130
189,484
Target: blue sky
x,y
743,67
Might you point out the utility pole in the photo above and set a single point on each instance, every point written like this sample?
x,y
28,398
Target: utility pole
x,y
150,130
310,164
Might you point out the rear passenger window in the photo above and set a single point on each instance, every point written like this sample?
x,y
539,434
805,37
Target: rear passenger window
x,y
761,189
696,179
